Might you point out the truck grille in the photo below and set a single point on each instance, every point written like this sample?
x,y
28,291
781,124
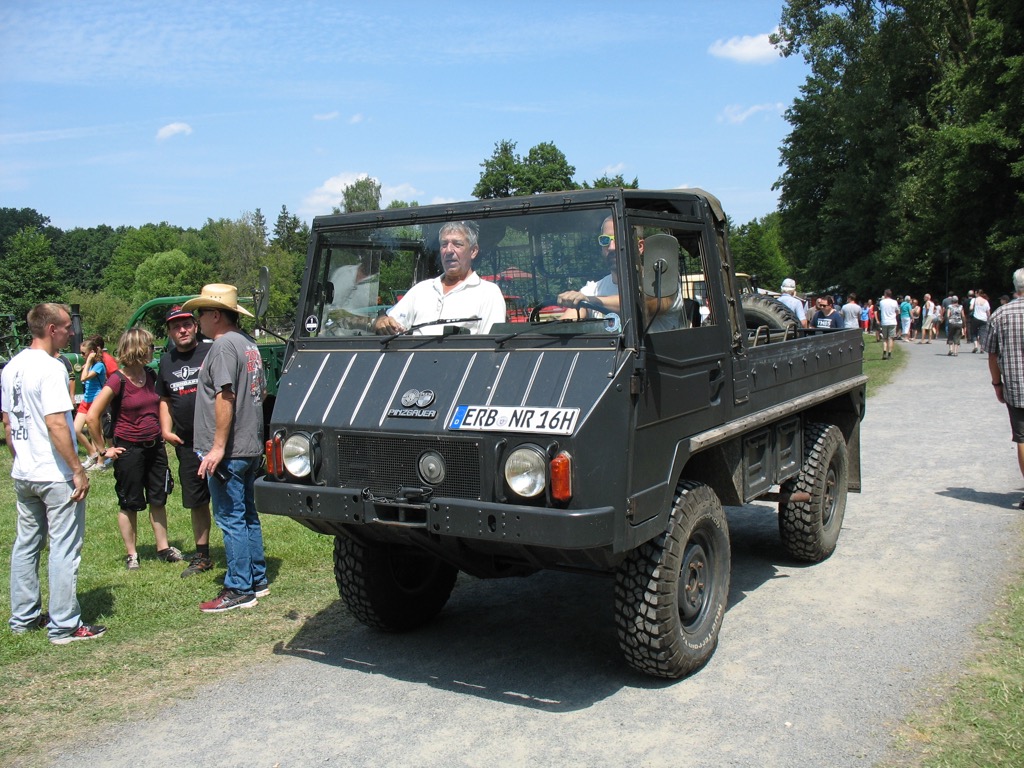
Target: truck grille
x,y
384,464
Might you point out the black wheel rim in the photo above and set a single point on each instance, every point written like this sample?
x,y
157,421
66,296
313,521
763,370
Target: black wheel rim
x,y
696,580
828,496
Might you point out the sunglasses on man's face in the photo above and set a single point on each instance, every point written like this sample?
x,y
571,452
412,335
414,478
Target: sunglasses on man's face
x,y
605,240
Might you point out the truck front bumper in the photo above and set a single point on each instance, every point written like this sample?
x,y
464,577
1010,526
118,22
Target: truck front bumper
x,y
512,524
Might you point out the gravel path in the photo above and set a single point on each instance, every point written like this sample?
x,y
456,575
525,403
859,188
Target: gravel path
x,y
817,665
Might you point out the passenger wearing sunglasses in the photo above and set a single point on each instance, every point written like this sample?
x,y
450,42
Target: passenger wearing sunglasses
x,y
605,292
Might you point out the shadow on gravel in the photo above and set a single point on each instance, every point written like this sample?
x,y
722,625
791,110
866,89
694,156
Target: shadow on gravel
x,y
988,498
546,642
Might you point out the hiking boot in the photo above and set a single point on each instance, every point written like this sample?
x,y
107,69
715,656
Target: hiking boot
x,y
131,562
84,632
197,564
228,600
262,589
170,555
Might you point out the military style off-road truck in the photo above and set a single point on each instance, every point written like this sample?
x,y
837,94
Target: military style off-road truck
x,y
603,438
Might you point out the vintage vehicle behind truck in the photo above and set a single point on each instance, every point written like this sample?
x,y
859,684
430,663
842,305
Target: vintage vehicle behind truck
x,y
593,441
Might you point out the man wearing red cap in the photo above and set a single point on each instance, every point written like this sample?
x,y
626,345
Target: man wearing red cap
x,y
176,384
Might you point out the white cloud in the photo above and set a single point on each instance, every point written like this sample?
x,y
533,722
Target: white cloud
x,y
736,113
173,130
327,116
356,119
613,170
749,49
406,192
322,199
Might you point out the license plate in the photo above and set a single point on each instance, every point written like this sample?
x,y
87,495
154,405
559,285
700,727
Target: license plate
x,y
505,418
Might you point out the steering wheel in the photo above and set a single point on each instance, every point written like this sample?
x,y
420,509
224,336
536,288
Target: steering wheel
x,y
535,312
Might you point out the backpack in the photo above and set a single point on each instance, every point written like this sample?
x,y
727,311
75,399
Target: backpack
x,y
955,315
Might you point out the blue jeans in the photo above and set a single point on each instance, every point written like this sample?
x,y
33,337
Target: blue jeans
x,y
46,511
234,509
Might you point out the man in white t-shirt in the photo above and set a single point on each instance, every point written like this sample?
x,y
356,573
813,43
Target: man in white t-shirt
x,y
49,481
888,316
851,312
665,313
795,305
457,294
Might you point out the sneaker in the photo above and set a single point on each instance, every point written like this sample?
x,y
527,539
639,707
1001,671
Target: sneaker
x,y
97,466
84,632
197,564
262,589
87,464
131,562
170,555
228,600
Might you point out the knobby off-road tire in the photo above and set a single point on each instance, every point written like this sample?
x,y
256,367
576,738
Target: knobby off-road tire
x,y
763,310
391,588
810,529
671,593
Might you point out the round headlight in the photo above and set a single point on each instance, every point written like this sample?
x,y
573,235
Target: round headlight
x,y
297,453
526,471
431,467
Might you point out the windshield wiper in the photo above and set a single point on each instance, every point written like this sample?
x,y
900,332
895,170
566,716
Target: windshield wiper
x,y
440,321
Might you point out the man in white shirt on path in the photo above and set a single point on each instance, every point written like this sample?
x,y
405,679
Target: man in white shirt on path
x,y
888,316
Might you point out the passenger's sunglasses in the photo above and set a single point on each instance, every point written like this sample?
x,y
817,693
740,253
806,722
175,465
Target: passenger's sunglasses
x,y
605,240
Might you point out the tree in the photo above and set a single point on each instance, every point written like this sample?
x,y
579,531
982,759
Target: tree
x,y
498,178
757,251
30,275
242,247
171,273
13,220
363,194
290,233
82,255
135,247
103,312
612,182
544,169
905,158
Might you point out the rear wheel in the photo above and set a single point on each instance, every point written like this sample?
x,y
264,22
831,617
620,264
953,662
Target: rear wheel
x,y
671,593
391,588
761,311
810,529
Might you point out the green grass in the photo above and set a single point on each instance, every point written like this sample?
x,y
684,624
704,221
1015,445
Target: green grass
x,y
158,644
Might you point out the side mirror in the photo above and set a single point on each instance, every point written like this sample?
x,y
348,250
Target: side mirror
x,y
262,297
661,265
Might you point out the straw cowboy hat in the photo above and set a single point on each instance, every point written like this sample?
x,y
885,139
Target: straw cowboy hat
x,y
217,296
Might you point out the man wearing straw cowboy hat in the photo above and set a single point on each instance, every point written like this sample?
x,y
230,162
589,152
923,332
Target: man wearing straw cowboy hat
x,y
229,439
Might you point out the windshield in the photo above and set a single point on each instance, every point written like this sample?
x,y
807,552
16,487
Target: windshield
x,y
484,276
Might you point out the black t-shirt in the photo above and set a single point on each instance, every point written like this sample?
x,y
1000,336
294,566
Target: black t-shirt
x,y
177,380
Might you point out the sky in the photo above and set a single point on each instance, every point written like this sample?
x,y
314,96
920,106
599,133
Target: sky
x,y
127,113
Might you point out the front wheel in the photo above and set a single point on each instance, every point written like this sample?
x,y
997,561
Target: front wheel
x,y
810,529
391,588
671,593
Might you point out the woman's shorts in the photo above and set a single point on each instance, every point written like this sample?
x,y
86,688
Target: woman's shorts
x,y
83,407
141,475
